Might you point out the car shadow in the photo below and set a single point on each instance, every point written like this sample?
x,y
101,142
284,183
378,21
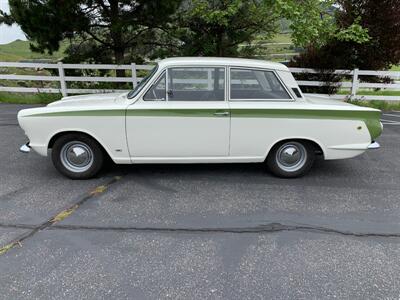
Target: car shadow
x,y
235,172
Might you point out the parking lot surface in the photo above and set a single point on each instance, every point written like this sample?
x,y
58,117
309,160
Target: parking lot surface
x,y
200,231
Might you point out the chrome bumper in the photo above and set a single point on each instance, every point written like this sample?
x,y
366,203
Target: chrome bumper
x,y
25,148
374,145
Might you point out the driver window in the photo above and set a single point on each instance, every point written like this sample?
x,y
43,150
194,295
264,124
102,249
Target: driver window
x,y
157,90
196,84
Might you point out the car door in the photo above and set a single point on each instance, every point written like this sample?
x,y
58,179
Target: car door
x,y
184,114
256,98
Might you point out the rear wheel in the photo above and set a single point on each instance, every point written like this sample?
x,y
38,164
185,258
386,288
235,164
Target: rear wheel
x,y
77,156
291,159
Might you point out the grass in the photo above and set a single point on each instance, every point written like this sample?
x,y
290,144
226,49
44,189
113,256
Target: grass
x,y
20,50
282,38
372,92
278,38
266,47
28,98
382,105
395,68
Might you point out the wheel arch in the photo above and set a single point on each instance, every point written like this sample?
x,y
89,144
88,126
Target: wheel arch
x,y
58,134
319,150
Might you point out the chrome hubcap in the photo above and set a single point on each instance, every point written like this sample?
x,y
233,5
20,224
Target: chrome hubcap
x,y
76,156
291,156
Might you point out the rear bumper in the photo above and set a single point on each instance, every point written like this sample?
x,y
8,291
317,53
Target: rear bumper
x,y
374,145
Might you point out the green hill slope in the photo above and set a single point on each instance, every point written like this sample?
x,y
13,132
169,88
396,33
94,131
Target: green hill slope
x,y
19,50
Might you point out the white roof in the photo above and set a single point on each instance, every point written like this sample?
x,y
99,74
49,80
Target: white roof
x,y
225,61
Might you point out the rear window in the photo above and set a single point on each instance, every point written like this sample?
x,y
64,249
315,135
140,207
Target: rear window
x,y
252,84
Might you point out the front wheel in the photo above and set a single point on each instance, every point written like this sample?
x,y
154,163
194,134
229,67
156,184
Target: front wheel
x,y
77,156
291,159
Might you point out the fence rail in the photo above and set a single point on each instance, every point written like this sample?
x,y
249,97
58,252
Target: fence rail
x,y
354,85
62,79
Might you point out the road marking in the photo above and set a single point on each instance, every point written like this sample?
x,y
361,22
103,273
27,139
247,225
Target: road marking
x,y
390,115
64,214
391,121
386,124
60,215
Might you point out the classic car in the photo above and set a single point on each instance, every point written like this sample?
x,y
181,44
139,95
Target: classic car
x,y
201,110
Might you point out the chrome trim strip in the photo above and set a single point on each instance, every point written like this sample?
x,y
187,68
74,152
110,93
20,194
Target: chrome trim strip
x,y
374,145
25,148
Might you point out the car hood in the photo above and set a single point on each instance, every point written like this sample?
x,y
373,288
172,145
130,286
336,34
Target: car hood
x,y
88,100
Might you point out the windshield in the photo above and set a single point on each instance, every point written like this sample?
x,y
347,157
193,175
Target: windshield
x,y
142,83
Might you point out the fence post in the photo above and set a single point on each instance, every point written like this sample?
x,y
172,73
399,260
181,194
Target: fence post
x,y
354,85
61,75
134,77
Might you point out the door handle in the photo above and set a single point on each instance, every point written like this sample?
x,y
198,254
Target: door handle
x,y
221,113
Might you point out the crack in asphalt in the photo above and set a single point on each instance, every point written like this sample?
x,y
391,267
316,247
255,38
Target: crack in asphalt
x,y
267,228
56,218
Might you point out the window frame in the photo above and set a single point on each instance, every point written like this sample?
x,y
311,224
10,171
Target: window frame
x,y
135,93
162,72
290,99
165,69
224,67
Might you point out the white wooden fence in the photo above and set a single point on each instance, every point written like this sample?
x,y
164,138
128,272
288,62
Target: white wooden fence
x,y
63,80
354,85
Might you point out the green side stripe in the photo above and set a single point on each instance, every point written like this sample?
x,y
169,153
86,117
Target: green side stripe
x,y
172,112
371,118
304,113
246,113
83,113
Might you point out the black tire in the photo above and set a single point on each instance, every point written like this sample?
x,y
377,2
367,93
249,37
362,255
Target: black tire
x,y
70,143
279,160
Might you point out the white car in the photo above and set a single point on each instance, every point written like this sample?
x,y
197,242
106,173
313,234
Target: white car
x,y
201,110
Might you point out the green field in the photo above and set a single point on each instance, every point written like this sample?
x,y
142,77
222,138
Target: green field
x,y
19,50
282,38
370,92
382,105
28,98
395,68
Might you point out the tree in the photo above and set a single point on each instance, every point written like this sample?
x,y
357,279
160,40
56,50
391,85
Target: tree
x,y
232,27
313,22
131,30
221,27
379,18
98,29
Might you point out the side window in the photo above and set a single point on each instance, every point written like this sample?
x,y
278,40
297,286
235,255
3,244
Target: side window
x,y
157,90
196,84
249,84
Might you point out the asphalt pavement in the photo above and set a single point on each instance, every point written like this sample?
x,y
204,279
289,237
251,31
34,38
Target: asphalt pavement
x,y
200,231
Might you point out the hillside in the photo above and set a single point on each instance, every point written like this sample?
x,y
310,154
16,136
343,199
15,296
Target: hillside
x,y
19,50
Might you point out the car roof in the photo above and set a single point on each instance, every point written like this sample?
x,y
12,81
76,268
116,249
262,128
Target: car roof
x,y
225,61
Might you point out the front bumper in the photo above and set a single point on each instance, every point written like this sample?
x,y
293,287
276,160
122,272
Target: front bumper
x,y
374,145
25,148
